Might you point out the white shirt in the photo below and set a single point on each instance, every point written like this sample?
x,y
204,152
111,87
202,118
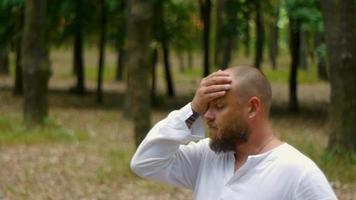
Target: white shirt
x,y
169,155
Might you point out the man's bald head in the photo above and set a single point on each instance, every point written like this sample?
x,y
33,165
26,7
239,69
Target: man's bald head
x,y
251,82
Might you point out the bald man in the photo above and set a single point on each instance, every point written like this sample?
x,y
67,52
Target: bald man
x,y
242,158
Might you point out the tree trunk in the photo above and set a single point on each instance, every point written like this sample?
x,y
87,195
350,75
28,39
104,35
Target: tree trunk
x,y
180,57
190,59
303,62
340,36
167,70
321,56
273,40
120,63
4,61
79,88
35,62
103,23
18,87
139,38
205,11
219,45
294,42
246,33
154,83
260,32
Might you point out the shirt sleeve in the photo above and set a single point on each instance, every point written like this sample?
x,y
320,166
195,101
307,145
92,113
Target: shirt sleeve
x,y
313,185
168,153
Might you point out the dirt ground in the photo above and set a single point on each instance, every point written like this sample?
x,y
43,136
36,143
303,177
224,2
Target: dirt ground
x,y
81,170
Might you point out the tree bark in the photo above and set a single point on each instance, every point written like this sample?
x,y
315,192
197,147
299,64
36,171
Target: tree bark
x,y
102,40
260,32
303,55
35,62
321,63
18,87
246,33
4,61
219,46
167,70
139,38
79,88
273,39
205,11
120,63
294,42
340,36
154,77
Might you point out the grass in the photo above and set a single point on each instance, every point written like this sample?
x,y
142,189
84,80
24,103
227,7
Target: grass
x,y
13,131
117,165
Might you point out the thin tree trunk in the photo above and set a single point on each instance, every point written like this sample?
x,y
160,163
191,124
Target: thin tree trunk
x,y
303,51
259,35
120,63
35,62
273,40
103,23
79,62
18,87
246,33
205,9
321,56
167,70
294,41
154,82
4,61
340,36
190,59
229,44
219,45
139,38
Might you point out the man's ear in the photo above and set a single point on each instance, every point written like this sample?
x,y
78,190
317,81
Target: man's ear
x,y
254,106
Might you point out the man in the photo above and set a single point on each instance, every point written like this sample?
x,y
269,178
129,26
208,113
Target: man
x,y
242,159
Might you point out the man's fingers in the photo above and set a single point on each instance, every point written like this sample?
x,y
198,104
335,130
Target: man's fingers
x,y
218,73
216,80
216,88
215,95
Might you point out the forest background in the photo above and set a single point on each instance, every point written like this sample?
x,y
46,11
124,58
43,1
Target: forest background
x,y
81,83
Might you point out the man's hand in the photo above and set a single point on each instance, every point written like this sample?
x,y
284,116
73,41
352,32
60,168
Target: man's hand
x,y
211,87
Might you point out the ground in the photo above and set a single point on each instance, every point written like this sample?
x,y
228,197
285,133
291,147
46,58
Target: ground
x,y
97,165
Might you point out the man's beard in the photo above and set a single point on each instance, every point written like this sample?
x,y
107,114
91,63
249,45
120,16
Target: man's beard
x,y
230,137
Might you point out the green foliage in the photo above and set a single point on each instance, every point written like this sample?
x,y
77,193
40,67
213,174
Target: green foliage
x,y
307,12
12,131
182,25
9,13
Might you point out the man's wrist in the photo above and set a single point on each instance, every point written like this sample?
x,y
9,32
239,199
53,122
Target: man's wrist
x,y
195,115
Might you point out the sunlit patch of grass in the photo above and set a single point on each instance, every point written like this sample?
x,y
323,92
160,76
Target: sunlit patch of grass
x,y
282,75
13,131
117,166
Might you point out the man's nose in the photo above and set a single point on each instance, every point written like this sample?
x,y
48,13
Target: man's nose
x,y
209,115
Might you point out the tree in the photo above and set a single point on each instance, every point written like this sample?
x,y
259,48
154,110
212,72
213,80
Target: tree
x,y
4,61
260,34
205,12
340,34
303,16
139,38
103,23
294,42
35,62
226,31
163,37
